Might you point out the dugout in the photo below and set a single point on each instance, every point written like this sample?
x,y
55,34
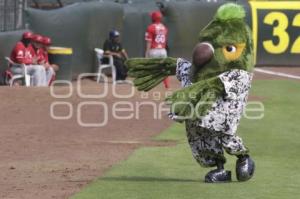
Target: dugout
x,y
81,26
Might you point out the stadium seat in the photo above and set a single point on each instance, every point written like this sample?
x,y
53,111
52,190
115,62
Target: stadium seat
x,y
100,54
24,76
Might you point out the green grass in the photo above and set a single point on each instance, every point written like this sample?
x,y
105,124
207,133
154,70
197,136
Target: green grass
x,y
172,173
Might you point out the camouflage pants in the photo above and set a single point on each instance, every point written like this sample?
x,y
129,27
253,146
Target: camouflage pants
x,y
208,147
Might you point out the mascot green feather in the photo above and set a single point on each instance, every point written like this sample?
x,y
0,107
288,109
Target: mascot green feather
x,y
215,90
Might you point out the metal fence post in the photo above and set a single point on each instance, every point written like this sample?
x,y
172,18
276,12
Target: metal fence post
x,y
4,15
11,14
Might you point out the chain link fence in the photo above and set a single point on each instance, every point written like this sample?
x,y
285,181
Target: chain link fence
x,y
11,15
11,11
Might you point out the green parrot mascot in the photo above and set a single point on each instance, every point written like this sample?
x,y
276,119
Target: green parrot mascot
x,y
214,94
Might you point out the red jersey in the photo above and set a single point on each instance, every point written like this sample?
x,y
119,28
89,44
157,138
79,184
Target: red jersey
x,y
30,48
22,54
42,56
157,35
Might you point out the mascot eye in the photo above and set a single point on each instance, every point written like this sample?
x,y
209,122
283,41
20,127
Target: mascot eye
x,y
233,52
231,48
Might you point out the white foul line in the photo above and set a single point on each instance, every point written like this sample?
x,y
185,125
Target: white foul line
x,y
276,73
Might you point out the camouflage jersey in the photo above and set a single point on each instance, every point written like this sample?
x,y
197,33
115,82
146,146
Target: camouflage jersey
x,y
226,112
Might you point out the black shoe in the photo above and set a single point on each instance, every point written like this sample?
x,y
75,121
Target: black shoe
x,y
218,175
244,168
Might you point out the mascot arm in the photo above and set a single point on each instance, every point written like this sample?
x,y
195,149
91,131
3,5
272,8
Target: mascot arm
x,y
149,72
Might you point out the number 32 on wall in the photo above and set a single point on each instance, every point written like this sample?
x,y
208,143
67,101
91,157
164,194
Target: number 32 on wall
x,y
279,40
280,31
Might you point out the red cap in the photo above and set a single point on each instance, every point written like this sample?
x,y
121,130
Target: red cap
x,y
47,41
37,38
27,35
156,16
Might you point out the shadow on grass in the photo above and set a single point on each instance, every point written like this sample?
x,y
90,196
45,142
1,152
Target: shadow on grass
x,y
157,179
147,179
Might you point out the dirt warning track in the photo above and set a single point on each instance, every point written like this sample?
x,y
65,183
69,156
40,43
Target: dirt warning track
x,y
42,157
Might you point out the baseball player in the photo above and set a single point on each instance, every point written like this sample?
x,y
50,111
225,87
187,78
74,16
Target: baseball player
x,y
41,44
156,40
46,44
23,53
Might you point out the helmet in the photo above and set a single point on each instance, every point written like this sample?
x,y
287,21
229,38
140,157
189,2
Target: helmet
x,y
37,38
27,35
47,41
156,16
113,34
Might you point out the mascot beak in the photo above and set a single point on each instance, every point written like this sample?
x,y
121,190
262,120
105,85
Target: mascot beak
x,y
202,54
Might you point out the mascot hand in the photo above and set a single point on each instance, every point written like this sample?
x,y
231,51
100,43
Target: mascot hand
x,y
196,100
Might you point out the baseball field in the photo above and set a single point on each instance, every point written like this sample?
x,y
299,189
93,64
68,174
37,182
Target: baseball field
x,y
43,156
